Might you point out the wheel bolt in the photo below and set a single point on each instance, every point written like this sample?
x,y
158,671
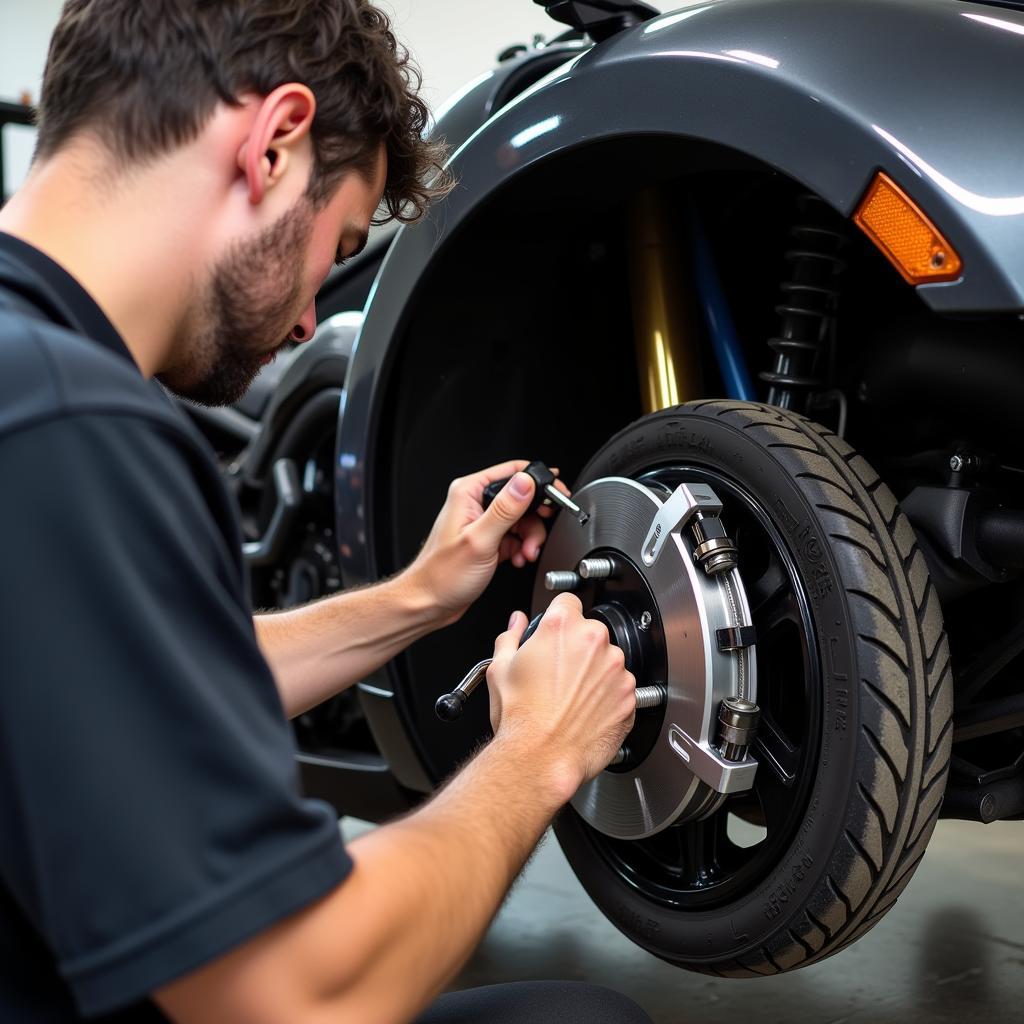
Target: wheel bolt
x,y
596,568
644,622
561,580
649,697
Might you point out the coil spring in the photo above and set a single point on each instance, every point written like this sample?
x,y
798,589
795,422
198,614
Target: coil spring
x,y
808,310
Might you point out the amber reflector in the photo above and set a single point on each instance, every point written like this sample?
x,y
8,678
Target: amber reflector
x,y
898,226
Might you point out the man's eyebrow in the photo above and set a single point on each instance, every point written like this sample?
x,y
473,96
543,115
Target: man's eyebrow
x,y
340,257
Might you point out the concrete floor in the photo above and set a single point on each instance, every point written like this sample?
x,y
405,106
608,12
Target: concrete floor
x,y
952,950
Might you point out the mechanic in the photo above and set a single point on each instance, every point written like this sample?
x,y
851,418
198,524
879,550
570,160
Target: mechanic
x,y
199,168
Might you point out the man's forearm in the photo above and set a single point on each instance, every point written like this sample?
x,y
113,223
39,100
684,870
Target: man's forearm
x,y
432,882
322,648
386,941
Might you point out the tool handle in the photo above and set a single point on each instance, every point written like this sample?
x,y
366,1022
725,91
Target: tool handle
x,y
448,706
537,471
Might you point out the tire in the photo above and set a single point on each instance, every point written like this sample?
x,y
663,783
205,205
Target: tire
x,y
882,733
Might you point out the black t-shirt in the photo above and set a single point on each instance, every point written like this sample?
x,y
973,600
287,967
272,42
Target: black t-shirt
x,y
150,816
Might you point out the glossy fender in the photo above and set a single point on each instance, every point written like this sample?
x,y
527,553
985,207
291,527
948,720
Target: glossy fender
x,y
827,93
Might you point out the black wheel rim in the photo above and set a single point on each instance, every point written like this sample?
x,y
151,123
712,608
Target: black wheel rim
x,y
698,864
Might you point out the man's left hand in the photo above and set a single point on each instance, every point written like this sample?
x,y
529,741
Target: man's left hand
x,y
468,543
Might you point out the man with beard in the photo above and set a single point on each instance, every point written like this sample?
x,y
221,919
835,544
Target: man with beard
x,y
199,168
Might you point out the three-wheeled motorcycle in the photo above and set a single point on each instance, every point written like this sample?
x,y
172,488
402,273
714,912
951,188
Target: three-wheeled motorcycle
x,y
752,274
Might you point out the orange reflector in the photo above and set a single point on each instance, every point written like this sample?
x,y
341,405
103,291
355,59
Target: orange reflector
x,y
900,228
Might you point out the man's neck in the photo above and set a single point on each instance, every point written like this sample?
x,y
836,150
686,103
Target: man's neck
x,y
131,243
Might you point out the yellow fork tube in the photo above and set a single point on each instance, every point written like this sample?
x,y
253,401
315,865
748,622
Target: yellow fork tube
x,y
664,317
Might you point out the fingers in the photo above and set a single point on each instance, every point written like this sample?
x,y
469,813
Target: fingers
x,y
506,645
506,510
563,609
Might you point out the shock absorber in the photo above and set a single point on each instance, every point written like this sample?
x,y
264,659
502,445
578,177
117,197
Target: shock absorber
x,y
805,342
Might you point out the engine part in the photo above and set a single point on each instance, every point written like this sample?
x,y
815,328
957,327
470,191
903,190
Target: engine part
x,y
809,307
969,541
678,772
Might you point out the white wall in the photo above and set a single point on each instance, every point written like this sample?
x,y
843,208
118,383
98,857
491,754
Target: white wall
x,y
451,40
25,27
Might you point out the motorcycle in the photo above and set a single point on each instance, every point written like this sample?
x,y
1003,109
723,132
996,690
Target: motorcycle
x,y
752,273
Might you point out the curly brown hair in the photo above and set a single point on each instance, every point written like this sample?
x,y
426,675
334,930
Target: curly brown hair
x,y
144,77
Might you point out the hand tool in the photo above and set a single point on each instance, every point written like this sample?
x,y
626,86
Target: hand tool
x,y
546,494
449,705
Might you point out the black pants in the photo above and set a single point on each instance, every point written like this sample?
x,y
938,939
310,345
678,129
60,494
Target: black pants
x,y
535,1002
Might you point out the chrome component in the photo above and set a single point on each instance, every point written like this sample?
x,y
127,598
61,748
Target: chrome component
x,y
555,496
649,697
682,776
707,762
559,580
738,720
449,705
715,550
596,568
621,755
644,622
681,506
716,555
964,462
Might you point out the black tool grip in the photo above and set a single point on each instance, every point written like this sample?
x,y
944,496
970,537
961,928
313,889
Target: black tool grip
x,y
542,477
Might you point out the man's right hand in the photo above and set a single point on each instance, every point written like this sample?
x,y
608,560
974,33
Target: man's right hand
x,y
425,887
565,693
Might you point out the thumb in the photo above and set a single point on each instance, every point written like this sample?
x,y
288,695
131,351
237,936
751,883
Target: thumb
x,y
506,645
511,504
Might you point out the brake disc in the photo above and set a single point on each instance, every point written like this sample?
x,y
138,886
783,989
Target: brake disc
x,y
679,610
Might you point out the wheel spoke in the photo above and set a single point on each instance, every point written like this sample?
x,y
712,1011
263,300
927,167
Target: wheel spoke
x,y
776,799
768,590
774,751
700,851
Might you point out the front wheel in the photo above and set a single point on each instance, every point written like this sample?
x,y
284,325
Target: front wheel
x,y
854,685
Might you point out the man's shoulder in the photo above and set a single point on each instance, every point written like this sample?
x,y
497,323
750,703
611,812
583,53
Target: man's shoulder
x,y
48,371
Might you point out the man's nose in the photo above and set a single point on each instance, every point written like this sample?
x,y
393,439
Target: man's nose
x,y
306,326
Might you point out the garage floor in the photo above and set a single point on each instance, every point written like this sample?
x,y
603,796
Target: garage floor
x,y
952,950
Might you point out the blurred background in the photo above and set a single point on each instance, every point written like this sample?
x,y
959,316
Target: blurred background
x,y
452,41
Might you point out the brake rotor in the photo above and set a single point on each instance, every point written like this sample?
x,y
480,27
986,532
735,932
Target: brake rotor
x,y
673,562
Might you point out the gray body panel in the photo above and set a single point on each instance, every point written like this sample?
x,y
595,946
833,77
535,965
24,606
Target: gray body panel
x,y
826,91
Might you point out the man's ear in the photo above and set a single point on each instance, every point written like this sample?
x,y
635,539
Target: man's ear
x,y
282,119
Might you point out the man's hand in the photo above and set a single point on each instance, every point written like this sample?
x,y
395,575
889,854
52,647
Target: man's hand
x,y
565,692
467,543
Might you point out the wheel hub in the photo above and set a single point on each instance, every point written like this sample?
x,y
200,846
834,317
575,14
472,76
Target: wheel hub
x,y
675,603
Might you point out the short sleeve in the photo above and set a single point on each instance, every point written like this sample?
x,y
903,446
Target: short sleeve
x,y
150,813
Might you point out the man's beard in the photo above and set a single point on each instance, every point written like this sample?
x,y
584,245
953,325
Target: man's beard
x,y
237,325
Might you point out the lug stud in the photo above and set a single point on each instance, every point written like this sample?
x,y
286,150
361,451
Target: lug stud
x,y
561,580
649,697
596,568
